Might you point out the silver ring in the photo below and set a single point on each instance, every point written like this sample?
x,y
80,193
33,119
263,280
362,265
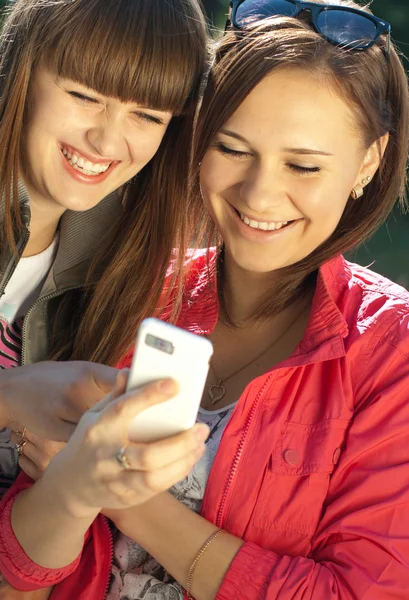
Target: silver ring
x,y
122,459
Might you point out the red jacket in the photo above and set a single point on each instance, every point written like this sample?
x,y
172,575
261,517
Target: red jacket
x,y
313,467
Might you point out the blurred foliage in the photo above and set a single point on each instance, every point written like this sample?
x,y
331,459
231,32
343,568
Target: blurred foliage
x,y
388,250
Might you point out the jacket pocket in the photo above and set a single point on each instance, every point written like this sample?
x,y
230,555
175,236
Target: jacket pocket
x,y
295,483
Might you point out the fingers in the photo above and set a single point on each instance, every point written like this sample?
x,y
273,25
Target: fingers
x,y
104,377
159,480
29,468
149,457
127,406
37,451
117,390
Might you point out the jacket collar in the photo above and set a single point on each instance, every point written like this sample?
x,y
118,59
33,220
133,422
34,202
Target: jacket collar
x,y
81,236
326,328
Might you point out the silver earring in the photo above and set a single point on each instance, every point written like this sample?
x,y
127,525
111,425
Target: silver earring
x,y
366,180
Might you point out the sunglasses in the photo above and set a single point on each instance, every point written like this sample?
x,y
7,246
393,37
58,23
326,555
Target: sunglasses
x,y
340,25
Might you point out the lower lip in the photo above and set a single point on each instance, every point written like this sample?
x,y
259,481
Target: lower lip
x,y
259,235
82,177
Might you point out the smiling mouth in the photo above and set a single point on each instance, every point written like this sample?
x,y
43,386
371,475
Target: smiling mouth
x,y
264,225
82,164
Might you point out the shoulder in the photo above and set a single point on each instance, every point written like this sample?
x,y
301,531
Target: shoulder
x,y
377,306
199,265
377,345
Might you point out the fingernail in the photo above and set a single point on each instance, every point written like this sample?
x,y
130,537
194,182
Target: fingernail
x,y
167,386
202,432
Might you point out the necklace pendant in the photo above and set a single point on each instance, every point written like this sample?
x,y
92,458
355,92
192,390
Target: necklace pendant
x,y
217,392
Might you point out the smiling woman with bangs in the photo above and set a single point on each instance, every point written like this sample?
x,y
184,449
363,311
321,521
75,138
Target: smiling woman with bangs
x,y
95,95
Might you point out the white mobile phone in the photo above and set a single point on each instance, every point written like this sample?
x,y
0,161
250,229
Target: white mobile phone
x,y
163,351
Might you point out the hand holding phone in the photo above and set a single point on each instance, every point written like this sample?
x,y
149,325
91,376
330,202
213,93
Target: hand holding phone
x,y
165,351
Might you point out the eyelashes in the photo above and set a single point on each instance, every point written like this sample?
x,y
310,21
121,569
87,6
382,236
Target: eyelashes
x,y
229,152
238,155
83,98
304,170
140,115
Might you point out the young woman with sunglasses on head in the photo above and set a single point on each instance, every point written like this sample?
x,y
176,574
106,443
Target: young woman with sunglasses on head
x,y
303,140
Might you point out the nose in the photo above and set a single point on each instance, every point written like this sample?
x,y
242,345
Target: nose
x,y
262,189
107,137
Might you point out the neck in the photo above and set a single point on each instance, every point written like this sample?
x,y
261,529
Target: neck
x,y
243,290
43,224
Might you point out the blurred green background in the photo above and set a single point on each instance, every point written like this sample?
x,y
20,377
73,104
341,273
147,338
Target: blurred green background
x,y
388,251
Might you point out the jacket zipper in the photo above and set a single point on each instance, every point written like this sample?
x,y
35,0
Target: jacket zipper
x,y
30,310
235,465
111,558
12,267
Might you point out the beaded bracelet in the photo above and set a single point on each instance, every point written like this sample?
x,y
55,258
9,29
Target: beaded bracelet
x,y
198,557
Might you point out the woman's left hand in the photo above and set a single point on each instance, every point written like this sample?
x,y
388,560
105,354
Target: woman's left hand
x,y
36,453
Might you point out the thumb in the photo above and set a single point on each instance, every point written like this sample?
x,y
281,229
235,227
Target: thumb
x,y
118,389
104,377
132,403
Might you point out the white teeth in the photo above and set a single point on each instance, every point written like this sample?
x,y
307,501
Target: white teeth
x,y
83,165
263,225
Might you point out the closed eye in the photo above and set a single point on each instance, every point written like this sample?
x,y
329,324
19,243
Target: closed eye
x,y
147,118
303,170
230,152
83,98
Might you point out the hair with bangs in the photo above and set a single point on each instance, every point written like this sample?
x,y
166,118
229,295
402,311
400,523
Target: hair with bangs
x,y
152,52
376,88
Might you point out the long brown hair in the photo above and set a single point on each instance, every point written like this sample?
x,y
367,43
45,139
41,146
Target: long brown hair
x,y
148,51
375,86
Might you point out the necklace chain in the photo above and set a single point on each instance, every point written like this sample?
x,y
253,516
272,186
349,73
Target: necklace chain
x,y
218,391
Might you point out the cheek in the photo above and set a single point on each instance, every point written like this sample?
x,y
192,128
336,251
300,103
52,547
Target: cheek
x,y
218,176
144,146
324,202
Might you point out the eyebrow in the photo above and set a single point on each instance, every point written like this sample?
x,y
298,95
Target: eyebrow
x,y
300,151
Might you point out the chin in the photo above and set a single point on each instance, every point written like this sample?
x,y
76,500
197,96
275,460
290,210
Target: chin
x,y
257,264
79,204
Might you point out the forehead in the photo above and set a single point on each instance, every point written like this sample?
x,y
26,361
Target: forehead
x,y
295,105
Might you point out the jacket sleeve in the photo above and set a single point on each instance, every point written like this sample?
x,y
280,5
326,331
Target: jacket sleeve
x,y
15,566
361,548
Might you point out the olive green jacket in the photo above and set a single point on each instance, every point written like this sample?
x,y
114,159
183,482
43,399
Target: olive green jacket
x,y
81,236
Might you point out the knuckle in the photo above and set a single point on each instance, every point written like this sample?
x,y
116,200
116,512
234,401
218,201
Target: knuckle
x,y
146,459
42,464
91,434
117,408
152,482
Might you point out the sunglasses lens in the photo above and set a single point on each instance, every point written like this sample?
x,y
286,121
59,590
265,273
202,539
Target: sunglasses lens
x,y
346,28
251,11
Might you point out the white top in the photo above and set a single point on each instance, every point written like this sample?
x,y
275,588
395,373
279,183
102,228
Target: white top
x,y
26,282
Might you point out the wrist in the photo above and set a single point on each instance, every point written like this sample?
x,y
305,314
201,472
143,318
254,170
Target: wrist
x,y
67,497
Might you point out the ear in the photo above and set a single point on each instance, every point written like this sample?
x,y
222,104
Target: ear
x,y
372,159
